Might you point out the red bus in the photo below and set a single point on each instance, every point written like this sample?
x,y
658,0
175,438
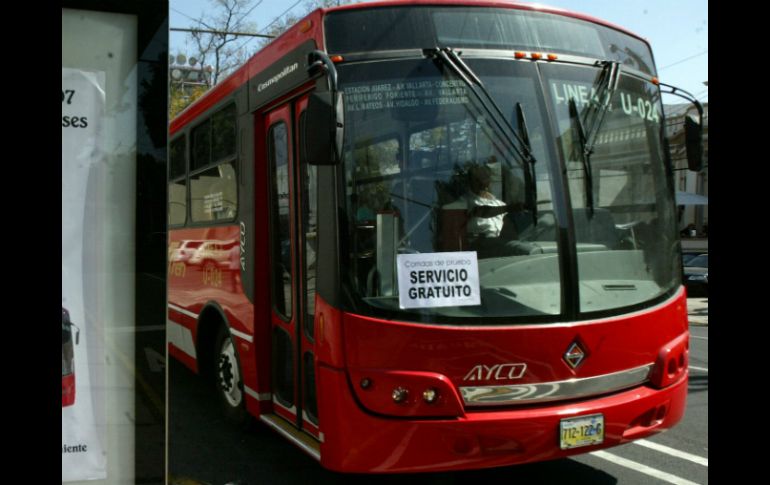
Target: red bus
x,y
433,235
68,359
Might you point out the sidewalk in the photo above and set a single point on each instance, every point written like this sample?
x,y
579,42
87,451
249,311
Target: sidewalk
x,y
698,310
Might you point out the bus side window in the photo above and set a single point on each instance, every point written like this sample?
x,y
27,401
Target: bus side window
x,y
177,185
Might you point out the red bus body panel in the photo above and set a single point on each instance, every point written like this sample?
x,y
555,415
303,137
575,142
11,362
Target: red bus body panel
x,y
503,435
363,442
207,279
611,345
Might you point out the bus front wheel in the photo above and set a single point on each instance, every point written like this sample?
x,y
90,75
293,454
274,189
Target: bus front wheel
x,y
227,375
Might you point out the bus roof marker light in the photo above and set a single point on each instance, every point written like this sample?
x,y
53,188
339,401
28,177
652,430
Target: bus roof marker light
x,y
306,26
655,81
519,55
552,57
336,59
536,56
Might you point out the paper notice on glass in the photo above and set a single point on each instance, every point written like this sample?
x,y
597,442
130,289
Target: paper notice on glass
x,y
431,280
83,455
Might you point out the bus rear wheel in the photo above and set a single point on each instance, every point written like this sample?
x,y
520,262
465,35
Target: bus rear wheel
x,y
227,378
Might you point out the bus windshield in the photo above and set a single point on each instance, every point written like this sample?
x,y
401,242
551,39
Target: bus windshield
x,y
429,169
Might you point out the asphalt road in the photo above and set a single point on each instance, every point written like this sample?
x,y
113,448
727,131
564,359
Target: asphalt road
x,y
204,449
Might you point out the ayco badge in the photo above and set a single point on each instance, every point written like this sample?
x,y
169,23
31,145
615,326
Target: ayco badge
x,y
498,372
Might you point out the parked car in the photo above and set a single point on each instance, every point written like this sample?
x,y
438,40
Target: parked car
x,y
184,250
696,275
222,254
688,255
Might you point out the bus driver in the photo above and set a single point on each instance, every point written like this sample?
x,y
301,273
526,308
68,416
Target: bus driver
x,y
486,216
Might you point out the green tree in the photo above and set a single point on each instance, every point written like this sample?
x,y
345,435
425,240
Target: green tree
x,y
182,96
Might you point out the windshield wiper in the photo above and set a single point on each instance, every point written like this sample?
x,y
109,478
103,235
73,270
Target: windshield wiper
x,y
520,146
584,154
588,128
605,89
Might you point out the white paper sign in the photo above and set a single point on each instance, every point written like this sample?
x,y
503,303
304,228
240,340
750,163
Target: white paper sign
x,y
430,280
83,100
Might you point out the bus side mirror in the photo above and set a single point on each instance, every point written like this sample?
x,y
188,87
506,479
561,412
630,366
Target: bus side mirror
x,y
693,137
324,128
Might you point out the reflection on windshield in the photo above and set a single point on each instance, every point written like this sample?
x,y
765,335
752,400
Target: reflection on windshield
x,y
627,187
429,172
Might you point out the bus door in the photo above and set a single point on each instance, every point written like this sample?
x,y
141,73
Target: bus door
x,y
293,262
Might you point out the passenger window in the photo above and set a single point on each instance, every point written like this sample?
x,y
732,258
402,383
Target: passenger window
x,y
177,185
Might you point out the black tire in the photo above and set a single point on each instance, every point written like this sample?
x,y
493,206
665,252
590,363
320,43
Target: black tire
x,y
227,379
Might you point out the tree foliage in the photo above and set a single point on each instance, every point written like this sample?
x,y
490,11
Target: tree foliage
x,y
220,50
181,96
225,51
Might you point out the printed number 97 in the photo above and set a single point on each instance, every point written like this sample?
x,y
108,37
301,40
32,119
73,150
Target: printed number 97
x,y
66,95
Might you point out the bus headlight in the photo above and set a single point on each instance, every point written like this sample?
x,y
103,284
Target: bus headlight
x,y
406,393
672,362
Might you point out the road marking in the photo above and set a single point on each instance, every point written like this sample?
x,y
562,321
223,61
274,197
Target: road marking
x,y
699,368
673,452
653,472
700,338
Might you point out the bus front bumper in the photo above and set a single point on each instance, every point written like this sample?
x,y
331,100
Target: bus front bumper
x,y
361,442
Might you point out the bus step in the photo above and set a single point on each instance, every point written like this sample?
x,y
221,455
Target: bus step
x,y
303,440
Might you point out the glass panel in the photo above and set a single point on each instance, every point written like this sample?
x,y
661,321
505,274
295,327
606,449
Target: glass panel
x,y
177,202
223,127
429,170
214,194
495,29
281,219
201,146
177,162
283,367
114,173
627,249
309,193
392,28
309,396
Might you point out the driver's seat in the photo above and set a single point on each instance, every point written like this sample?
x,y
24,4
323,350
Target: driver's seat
x,y
453,227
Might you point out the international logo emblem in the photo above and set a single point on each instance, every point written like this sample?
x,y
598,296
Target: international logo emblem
x,y
574,355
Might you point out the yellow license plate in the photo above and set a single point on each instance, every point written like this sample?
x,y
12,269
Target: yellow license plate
x,y
581,431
